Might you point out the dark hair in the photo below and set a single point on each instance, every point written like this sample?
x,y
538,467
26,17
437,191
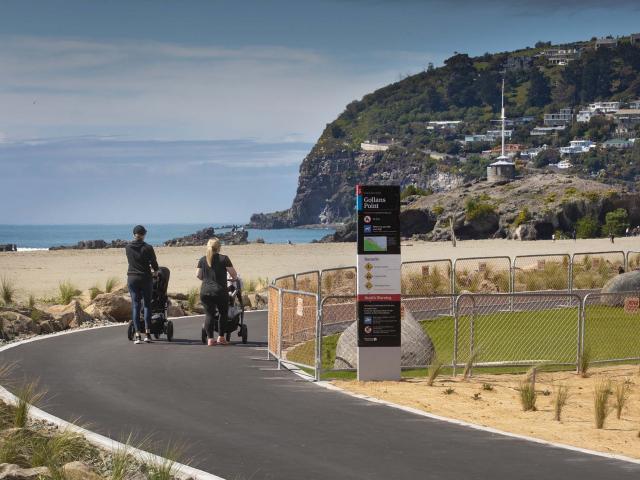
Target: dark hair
x,y
139,230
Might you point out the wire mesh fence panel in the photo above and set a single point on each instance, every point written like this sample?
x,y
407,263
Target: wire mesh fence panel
x,y
299,323
288,282
590,271
273,321
432,277
633,261
338,281
435,337
339,336
502,330
308,282
533,273
482,275
611,328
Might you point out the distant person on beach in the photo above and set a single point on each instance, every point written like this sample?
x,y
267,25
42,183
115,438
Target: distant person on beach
x,y
212,269
142,266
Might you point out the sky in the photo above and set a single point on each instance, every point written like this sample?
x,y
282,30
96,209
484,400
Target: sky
x,y
188,111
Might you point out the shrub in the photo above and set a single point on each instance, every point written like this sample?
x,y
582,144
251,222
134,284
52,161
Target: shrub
x,y
7,290
193,297
434,370
110,284
616,222
523,217
527,390
587,227
621,394
31,301
66,292
601,393
414,190
487,386
477,208
559,401
438,210
448,391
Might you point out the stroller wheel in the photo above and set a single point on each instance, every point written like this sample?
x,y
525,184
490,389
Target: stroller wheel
x,y
244,333
130,331
228,336
204,337
169,330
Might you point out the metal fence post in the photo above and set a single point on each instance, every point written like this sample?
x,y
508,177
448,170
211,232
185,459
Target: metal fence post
x,y
472,334
581,327
318,359
456,312
280,310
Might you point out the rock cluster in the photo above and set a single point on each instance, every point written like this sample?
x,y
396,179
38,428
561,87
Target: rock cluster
x,y
344,233
92,245
8,247
234,237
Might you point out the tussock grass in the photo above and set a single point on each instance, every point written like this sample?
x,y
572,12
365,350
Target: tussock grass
x,y
111,284
31,301
28,394
601,393
166,468
94,292
559,401
468,366
193,297
621,393
121,460
7,290
434,370
55,451
585,362
67,291
527,389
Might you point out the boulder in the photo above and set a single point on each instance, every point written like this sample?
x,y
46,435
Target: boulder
x,y
246,300
79,471
69,316
234,237
111,306
175,310
625,282
8,247
417,348
258,301
13,324
9,471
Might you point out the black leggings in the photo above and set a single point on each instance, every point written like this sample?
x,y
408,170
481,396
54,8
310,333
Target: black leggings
x,y
219,304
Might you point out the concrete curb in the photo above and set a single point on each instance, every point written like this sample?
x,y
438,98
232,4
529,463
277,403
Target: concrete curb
x,y
462,423
100,441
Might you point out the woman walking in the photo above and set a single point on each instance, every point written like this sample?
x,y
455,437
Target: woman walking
x,y
212,270
142,262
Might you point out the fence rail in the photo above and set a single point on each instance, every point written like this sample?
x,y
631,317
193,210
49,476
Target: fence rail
x,y
490,311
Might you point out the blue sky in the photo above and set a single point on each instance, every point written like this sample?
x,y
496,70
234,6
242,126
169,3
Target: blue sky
x,y
201,111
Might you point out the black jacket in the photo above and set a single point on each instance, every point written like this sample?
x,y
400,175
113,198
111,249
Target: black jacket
x,y
142,258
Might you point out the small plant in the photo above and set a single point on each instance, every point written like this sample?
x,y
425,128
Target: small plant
x,y
28,395
193,297
66,292
601,393
560,400
94,292
476,396
121,460
55,451
448,391
621,394
111,284
546,392
165,468
7,290
433,371
468,366
31,301
585,362
36,315
528,395
487,386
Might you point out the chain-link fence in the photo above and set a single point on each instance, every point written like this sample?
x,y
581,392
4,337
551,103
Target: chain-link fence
x,y
338,338
273,321
541,328
590,271
611,327
338,281
299,327
534,273
287,282
430,277
633,261
308,282
482,275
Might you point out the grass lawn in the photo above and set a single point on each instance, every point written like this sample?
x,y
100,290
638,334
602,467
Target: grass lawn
x,y
528,337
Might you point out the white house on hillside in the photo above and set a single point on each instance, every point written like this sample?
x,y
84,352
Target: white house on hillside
x,y
577,147
604,107
564,117
542,131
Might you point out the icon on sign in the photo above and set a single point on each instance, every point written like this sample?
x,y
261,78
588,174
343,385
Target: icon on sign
x,y
367,219
368,276
368,329
368,320
368,266
369,285
368,229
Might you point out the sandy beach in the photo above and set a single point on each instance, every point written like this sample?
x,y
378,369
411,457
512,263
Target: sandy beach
x,y
40,272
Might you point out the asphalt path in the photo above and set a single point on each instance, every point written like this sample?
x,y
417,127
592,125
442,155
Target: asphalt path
x,y
241,418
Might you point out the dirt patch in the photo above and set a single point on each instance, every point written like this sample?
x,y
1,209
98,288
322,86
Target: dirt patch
x,y
500,406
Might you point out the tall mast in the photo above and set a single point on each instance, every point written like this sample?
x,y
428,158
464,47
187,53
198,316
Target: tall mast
x,y
503,118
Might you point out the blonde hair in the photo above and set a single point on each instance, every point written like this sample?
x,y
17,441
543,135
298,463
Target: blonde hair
x,y
213,247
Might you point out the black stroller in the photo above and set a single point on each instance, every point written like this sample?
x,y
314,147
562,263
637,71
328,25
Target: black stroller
x,y
159,304
236,313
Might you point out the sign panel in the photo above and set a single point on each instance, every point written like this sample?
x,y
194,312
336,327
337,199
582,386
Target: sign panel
x,y
379,260
631,304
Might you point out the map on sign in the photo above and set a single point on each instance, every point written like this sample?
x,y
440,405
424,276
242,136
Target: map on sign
x,y
375,244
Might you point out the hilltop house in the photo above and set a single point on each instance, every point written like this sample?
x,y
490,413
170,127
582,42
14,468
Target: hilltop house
x,y
444,125
635,105
518,63
604,107
381,145
618,143
512,122
560,56
564,117
496,134
584,116
542,131
577,147
626,119
606,42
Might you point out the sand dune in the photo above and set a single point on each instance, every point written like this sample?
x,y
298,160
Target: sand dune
x,y
39,272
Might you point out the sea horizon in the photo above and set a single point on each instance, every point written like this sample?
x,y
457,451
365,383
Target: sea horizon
x,y
44,236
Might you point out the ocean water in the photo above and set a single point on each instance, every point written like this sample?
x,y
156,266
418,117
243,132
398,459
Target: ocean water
x,y
44,236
